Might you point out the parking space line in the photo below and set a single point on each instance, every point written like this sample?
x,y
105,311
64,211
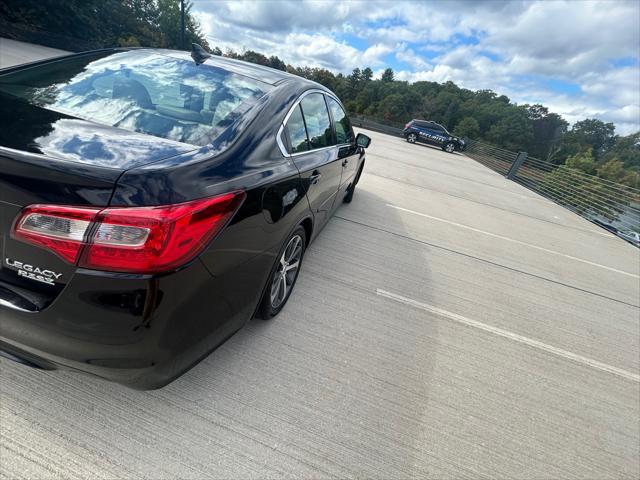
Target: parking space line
x,y
513,212
495,235
512,336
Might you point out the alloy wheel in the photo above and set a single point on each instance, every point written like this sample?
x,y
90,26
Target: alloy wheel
x,y
450,147
411,138
285,275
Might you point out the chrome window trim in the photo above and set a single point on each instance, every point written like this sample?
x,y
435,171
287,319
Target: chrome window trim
x,y
279,141
318,149
283,150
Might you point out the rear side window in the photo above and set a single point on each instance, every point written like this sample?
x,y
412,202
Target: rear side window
x,y
317,120
344,132
297,132
140,91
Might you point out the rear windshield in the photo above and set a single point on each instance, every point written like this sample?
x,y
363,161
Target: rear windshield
x,y
140,91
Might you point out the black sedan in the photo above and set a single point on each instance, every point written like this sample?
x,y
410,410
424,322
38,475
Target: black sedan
x,y
150,205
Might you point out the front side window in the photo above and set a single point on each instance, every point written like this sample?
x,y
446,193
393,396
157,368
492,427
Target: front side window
x,y
317,120
344,132
297,132
151,93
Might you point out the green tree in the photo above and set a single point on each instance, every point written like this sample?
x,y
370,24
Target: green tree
x,y
88,24
254,57
615,171
467,127
513,131
387,75
590,133
585,162
548,131
169,24
627,150
392,108
275,62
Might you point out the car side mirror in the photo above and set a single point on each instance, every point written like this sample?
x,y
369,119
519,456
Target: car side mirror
x,y
362,140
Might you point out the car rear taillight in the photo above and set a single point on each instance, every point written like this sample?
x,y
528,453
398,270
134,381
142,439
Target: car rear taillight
x,y
56,228
408,125
127,239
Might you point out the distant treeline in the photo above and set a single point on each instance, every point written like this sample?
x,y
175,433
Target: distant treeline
x,y
78,25
591,144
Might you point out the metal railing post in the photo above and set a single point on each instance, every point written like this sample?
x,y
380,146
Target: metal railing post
x,y
513,170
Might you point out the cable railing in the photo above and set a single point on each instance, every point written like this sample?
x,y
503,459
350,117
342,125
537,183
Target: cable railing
x,y
377,125
609,196
601,208
495,158
614,205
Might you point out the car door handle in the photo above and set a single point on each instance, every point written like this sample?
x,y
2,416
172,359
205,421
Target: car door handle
x,y
315,177
345,163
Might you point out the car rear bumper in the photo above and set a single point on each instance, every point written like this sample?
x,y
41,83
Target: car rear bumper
x,y
139,331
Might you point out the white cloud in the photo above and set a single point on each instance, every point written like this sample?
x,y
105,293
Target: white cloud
x,y
518,48
583,33
373,55
281,16
297,48
407,55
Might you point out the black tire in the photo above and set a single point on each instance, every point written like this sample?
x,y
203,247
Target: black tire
x,y
352,189
268,308
412,137
449,147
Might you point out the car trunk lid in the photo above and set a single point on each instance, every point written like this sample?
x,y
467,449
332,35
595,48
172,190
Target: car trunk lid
x,y
51,158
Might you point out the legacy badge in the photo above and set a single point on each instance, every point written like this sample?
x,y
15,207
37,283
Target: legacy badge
x,y
34,273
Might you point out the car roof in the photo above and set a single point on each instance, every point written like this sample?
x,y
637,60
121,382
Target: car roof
x,y
262,73
427,121
259,72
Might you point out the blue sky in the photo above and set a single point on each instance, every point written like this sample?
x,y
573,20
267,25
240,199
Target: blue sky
x,y
580,58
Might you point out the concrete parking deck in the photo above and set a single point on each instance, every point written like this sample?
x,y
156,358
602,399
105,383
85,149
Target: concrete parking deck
x,y
448,323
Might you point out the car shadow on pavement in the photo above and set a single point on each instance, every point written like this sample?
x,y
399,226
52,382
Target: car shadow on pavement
x,y
342,375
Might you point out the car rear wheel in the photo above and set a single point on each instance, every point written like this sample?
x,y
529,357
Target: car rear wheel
x,y
412,137
284,275
449,147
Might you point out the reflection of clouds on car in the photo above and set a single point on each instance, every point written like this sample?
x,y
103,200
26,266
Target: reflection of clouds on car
x,y
73,140
156,94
